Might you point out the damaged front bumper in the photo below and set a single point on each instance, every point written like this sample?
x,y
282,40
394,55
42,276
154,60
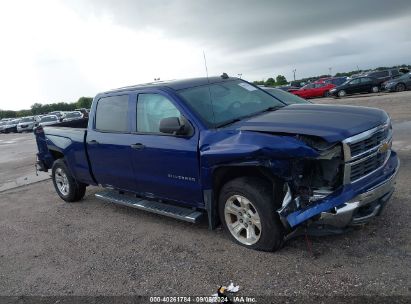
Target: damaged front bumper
x,y
352,204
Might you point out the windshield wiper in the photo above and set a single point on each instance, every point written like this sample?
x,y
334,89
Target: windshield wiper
x,y
273,108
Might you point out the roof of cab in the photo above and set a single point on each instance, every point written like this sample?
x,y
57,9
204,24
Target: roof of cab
x,y
174,84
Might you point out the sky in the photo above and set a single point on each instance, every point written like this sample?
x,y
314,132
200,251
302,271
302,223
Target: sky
x,y
57,50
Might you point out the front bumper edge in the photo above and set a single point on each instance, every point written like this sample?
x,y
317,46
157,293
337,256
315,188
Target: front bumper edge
x,y
362,208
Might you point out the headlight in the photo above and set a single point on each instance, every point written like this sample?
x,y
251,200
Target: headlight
x,y
333,90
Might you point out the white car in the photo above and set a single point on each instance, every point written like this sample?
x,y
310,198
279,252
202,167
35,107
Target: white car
x,y
27,124
73,116
49,120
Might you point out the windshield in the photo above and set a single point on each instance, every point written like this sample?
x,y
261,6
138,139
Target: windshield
x,y
285,97
27,119
73,114
230,101
48,118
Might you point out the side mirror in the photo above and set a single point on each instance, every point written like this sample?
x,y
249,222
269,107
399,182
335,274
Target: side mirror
x,y
171,125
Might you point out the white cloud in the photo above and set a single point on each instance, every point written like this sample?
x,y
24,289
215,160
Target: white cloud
x,y
60,50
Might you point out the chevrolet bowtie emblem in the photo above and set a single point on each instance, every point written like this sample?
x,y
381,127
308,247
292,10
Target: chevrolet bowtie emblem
x,y
384,147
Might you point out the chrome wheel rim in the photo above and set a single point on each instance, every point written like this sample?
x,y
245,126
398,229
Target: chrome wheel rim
x,y
62,181
242,219
341,93
375,89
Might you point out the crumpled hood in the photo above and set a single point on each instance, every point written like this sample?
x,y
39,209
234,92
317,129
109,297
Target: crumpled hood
x,y
331,122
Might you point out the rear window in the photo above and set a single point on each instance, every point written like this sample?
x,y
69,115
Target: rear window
x,y
27,119
379,74
111,115
48,118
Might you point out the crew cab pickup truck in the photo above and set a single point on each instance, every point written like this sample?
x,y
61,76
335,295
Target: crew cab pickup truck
x,y
222,149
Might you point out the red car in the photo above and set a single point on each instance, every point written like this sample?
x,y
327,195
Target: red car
x,y
312,90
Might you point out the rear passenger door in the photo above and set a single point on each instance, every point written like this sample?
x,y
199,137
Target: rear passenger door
x,y
166,166
366,84
109,142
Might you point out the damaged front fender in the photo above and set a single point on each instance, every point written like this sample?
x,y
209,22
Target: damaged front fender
x,y
233,146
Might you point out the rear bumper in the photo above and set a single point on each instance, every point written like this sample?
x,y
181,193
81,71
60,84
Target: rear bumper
x,y
362,208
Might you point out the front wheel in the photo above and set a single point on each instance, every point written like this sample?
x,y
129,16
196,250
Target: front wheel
x,y
248,213
375,89
399,87
66,186
342,93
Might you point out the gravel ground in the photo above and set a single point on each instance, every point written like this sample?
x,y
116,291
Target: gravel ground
x,y
48,247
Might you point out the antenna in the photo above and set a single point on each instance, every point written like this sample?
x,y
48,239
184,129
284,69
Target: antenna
x,y
205,64
209,90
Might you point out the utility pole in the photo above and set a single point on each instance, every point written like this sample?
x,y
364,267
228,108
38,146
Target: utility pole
x,y
329,70
295,70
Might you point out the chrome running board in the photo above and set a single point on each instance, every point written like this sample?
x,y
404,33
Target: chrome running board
x,y
177,212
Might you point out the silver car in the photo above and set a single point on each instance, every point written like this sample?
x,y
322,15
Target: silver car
x,y
49,120
73,116
27,124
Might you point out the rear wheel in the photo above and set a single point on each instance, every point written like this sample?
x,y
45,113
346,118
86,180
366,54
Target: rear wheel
x,y
248,213
341,93
66,186
400,87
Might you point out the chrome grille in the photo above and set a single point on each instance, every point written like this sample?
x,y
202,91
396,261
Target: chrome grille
x,y
367,166
365,145
366,152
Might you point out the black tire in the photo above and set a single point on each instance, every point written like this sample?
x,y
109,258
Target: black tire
x,y
400,87
75,190
326,94
259,193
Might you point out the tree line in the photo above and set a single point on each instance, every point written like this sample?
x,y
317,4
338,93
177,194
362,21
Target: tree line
x,y
38,108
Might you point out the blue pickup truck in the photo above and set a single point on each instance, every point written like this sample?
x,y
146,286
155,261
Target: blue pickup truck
x,y
222,149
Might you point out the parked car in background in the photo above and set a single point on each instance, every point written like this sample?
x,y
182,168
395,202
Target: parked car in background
x,y
293,85
312,90
83,111
357,85
59,114
383,75
336,80
11,126
73,116
398,84
49,120
2,126
27,124
284,96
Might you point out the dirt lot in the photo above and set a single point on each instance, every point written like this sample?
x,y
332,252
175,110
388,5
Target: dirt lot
x,y
48,247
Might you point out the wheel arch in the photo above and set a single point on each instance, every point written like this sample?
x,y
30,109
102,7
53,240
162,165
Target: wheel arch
x,y
225,173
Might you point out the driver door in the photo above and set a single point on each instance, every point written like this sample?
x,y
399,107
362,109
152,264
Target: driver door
x,y
166,166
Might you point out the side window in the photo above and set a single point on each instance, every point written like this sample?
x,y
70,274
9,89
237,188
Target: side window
x,y
365,80
395,72
355,81
151,109
111,114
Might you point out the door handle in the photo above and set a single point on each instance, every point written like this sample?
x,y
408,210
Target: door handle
x,y
93,142
137,146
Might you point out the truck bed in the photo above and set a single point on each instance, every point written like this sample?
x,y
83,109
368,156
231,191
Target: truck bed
x,y
65,140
